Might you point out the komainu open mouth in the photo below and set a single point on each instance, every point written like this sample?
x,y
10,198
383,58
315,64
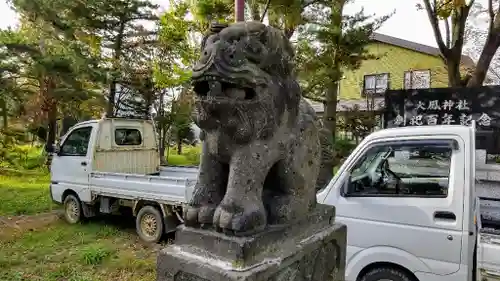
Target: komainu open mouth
x,y
210,87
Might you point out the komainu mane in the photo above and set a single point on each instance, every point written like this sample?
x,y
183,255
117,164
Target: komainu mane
x,y
261,143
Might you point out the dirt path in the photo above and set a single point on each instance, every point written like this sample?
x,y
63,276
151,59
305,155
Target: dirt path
x,y
11,226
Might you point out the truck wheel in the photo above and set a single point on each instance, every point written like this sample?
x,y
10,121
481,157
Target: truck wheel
x,y
149,224
386,274
72,209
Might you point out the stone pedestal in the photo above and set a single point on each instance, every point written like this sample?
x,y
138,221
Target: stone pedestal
x,y
312,249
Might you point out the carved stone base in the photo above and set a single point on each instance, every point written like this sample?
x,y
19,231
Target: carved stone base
x,y
310,250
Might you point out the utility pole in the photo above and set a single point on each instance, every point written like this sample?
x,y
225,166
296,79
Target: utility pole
x,y
239,8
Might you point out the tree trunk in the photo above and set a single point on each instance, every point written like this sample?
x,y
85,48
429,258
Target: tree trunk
x,y
179,147
3,106
116,67
453,66
483,64
50,105
161,123
163,145
330,114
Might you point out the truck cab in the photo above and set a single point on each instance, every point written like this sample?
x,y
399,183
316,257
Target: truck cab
x,y
408,199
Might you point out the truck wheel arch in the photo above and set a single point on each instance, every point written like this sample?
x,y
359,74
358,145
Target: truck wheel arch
x,y
87,210
387,265
68,192
169,218
370,258
166,210
141,203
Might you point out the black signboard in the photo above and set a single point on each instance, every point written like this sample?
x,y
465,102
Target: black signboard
x,y
448,106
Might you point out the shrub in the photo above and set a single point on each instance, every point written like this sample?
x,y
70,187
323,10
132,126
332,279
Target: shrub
x,y
343,148
23,157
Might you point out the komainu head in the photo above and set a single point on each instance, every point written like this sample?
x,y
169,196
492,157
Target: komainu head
x,y
244,81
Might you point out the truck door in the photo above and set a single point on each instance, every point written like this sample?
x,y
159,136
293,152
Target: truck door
x,y
71,164
407,195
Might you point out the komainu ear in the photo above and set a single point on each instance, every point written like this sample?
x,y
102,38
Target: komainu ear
x,y
214,28
281,53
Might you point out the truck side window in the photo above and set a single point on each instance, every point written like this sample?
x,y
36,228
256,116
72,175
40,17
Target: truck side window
x,y
77,143
125,136
402,169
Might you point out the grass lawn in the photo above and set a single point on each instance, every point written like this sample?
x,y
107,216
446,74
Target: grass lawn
x,y
92,251
24,193
43,247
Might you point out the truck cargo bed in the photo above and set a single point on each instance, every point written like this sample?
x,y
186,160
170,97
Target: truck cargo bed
x,y
163,189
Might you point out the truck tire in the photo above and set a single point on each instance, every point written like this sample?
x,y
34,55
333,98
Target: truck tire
x,y
149,224
72,209
386,274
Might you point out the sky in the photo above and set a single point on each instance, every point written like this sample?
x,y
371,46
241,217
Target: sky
x,y
407,23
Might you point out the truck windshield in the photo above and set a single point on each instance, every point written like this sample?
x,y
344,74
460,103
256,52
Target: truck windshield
x,y
368,161
421,162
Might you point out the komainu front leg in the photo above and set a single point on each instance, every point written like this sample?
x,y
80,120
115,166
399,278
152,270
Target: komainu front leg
x,y
242,210
208,192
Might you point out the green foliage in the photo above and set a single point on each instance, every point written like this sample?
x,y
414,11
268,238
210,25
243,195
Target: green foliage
x,y
15,156
95,254
190,156
283,14
23,157
206,11
332,42
193,155
343,148
178,52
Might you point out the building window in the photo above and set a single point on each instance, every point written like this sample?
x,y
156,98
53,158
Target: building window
x,y
376,84
128,137
417,79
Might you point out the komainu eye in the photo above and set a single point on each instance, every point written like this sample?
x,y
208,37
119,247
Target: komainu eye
x,y
253,46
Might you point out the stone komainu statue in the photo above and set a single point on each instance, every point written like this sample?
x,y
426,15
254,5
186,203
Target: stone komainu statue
x,y
261,152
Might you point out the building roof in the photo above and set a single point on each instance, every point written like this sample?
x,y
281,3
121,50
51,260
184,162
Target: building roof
x,y
466,60
346,105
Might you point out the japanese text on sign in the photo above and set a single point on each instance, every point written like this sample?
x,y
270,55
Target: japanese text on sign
x,y
427,114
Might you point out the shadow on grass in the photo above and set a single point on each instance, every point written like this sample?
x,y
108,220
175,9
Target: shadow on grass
x,y
124,223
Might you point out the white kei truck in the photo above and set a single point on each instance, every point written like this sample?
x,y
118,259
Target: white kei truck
x,y
101,166
407,196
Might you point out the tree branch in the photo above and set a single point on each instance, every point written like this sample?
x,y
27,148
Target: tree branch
x,y
491,13
447,30
267,8
433,19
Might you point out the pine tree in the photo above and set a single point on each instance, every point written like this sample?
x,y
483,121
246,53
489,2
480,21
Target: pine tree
x,y
330,43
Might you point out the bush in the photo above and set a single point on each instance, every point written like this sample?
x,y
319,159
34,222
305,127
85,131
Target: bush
x,y
343,148
23,157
